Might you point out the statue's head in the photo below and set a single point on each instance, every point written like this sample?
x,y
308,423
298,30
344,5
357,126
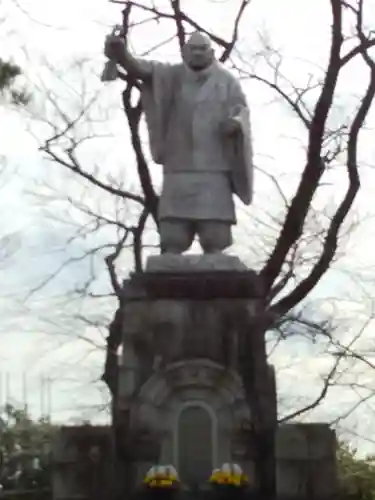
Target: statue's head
x,y
198,53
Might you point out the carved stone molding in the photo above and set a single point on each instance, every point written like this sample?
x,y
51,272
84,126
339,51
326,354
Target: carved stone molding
x,y
191,379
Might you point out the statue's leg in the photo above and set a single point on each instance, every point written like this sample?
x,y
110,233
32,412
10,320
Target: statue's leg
x,y
176,236
214,236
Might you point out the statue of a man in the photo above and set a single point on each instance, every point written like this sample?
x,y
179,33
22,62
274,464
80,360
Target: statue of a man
x,y
199,129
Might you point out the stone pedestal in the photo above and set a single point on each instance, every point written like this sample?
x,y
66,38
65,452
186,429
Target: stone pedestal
x,y
185,323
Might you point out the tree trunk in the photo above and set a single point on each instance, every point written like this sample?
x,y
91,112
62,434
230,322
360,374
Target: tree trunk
x,y
259,385
122,446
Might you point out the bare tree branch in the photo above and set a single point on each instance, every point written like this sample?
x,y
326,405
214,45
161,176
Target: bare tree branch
x,y
165,15
295,218
323,393
137,244
110,261
134,115
178,16
230,46
331,240
181,35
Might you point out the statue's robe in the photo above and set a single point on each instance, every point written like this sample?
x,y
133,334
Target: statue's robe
x,y
185,111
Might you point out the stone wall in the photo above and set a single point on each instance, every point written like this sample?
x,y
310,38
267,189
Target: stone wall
x,y
82,463
306,461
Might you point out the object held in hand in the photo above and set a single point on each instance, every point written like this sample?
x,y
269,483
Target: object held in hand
x,y
109,73
114,46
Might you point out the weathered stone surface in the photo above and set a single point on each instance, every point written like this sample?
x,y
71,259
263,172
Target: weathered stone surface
x,y
189,351
306,461
164,331
195,263
197,277
199,286
315,441
195,383
82,459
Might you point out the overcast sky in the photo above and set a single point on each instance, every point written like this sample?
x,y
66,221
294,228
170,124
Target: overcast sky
x,y
40,336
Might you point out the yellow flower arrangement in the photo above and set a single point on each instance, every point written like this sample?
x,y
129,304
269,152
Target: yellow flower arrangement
x,y
161,476
229,474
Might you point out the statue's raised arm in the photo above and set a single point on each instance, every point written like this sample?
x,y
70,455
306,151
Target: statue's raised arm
x,y
116,49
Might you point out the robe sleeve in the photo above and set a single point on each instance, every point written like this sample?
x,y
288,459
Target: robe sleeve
x,y
242,145
157,95
237,96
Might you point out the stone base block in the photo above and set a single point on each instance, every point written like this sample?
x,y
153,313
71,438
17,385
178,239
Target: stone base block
x,y
195,263
196,277
306,461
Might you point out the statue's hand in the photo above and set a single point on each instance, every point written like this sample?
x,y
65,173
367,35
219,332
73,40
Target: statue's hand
x,y
230,126
114,47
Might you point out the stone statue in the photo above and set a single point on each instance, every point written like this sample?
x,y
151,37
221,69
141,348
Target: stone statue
x,y
199,130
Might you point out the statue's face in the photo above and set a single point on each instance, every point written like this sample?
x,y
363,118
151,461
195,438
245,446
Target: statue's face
x,y
198,53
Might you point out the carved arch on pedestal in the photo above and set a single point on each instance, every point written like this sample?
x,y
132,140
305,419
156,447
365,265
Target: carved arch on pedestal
x,y
202,382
